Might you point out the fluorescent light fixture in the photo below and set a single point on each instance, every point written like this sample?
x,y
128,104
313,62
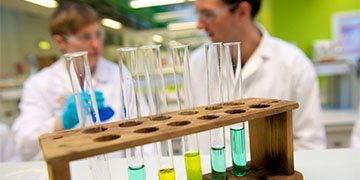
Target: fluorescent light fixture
x,y
157,38
165,16
111,23
45,3
150,3
182,26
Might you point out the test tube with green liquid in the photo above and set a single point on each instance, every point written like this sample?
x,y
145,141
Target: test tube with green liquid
x,y
231,65
181,72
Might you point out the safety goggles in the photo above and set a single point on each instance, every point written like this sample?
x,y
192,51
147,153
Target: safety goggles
x,y
210,15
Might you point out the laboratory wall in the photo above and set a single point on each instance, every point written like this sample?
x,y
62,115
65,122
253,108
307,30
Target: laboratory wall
x,y
19,35
303,21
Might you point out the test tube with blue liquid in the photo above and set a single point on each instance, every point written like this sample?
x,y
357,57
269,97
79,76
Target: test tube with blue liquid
x,y
86,105
136,166
214,57
182,79
232,85
155,85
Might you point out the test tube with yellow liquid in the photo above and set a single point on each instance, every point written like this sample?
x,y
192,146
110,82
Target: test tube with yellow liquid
x,y
181,72
165,159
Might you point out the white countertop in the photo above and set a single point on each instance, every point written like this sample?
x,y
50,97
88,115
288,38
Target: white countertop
x,y
320,164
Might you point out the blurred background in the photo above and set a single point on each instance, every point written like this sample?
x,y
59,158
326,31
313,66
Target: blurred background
x,y
328,32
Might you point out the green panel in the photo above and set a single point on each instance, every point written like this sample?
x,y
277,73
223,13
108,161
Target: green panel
x,y
303,21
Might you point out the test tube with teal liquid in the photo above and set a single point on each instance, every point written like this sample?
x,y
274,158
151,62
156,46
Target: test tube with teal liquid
x,y
232,85
214,56
136,167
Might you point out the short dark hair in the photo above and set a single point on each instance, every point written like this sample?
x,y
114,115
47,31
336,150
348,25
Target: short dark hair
x,y
70,17
255,5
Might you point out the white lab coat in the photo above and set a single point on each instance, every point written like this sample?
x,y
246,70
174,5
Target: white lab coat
x,y
7,145
45,95
275,70
355,135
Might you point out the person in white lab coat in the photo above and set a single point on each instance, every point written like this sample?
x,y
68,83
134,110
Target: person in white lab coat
x,y
44,105
272,68
355,135
8,151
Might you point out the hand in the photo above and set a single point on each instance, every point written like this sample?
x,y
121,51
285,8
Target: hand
x,y
70,117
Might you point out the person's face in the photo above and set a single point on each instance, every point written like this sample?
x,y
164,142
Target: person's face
x,y
215,18
87,39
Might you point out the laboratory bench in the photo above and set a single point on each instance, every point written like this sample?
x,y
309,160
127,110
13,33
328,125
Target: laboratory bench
x,y
313,164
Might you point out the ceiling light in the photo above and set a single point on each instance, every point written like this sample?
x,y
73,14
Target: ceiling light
x,y
182,26
150,3
45,3
111,23
166,16
157,38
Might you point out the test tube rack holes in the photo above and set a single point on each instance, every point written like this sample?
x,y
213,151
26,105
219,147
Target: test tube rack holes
x,y
270,130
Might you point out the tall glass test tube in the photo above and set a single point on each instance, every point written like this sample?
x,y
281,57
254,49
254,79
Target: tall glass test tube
x,y
136,167
232,74
155,85
214,56
86,106
182,78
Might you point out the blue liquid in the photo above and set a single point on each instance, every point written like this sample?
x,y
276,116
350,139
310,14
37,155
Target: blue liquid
x,y
136,173
218,163
238,151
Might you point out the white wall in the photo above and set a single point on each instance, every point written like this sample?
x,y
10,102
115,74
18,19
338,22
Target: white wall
x,y
19,35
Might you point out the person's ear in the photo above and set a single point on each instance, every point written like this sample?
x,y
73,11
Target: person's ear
x,y
59,41
244,9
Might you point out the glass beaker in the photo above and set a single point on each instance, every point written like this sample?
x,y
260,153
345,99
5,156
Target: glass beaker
x,y
232,83
86,106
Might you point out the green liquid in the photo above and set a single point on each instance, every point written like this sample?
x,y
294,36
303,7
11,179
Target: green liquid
x,y
167,174
238,151
136,173
193,165
218,163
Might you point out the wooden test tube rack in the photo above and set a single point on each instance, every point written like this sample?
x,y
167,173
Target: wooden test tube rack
x,y
270,129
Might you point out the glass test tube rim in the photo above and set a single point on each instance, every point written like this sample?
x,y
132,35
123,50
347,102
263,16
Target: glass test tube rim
x,y
151,46
179,46
232,43
69,56
125,49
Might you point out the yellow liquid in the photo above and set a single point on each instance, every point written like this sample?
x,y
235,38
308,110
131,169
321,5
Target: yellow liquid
x,y
193,165
167,174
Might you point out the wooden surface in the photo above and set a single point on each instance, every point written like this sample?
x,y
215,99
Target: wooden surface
x,y
271,143
65,146
254,173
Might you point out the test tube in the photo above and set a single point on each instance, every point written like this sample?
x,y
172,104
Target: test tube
x,y
181,72
136,167
214,56
232,74
165,160
154,78
155,85
86,106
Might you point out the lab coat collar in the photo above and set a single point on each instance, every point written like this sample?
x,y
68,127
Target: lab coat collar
x,y
261,54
